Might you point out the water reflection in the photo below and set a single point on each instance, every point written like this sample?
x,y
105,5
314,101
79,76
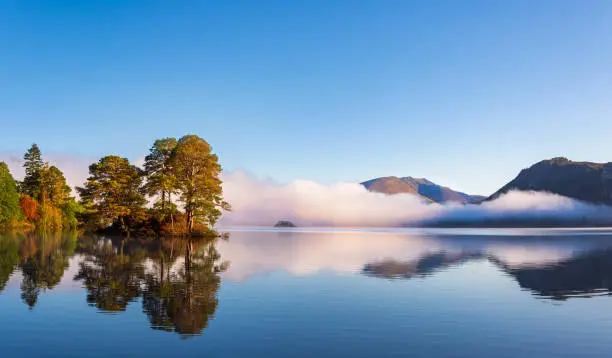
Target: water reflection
x,y
177,280
185,299
555,265
40,258
555,268
587,275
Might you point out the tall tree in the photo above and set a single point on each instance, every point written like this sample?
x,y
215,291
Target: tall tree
x,y
113,191
9,197
197,171
160,181
53,185
33,165
54,196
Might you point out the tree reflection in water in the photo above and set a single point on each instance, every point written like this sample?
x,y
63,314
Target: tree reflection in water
x,y
43,260
177,279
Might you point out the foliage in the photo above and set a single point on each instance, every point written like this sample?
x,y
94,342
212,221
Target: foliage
x,y
113,197
53,186
9,198
197,172
29,208
50,217
45,199
160,181
33,165
113,192
71,210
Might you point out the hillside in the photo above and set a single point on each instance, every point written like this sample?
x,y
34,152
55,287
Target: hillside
x,y
586,181
421,187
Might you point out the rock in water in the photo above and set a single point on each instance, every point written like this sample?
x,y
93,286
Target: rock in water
x,y
284,223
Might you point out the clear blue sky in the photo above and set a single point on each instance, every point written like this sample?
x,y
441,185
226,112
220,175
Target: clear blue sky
x,y
465,93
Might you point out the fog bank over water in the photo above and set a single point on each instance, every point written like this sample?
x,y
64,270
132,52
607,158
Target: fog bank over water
x,y
306,203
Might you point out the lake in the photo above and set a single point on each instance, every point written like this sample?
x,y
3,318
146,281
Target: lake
x,y
310,293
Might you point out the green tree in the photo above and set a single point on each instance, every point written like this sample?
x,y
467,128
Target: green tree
x,y
160,180
113,192
70,210
9,197
33,165
197,171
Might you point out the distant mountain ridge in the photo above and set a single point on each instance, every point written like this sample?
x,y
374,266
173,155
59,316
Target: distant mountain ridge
x,y
421,187
586,181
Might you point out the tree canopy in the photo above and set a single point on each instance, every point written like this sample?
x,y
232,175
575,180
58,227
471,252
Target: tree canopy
x,y
33,165
183,172
197,171
9,197
113,191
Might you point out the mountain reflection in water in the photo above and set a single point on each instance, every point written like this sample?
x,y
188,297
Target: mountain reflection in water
x,y
175,282
585,271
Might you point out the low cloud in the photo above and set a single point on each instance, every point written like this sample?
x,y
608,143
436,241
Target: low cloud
x,y
307,203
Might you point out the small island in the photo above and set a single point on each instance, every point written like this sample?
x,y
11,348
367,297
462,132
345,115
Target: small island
x,y
284,223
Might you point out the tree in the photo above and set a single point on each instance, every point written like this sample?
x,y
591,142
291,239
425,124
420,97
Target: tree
x,y
58,209
197,171
53,185
29,208
160,181
113,191
33,165
9,197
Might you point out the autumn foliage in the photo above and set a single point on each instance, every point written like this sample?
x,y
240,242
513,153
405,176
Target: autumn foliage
x,y
29,207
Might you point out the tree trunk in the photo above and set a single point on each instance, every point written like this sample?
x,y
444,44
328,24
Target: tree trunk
x,y
124,227
172,223
189,221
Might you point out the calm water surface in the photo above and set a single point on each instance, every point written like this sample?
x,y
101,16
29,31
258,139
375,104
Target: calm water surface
x,y
310,293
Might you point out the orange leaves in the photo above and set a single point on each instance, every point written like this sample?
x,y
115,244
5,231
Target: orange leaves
x,y
29,207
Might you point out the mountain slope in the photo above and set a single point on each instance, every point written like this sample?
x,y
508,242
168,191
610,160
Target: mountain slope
x,y
586,181
392,186
421,187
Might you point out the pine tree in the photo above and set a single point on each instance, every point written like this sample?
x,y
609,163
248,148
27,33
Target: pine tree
x,y
113,191
33,165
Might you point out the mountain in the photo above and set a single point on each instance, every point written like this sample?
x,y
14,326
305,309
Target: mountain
x,y
586,181
421,187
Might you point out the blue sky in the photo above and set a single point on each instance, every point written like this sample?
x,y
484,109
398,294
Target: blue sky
x,y
465,93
